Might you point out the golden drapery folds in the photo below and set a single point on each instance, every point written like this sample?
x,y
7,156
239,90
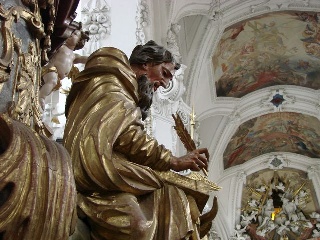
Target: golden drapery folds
x,y
37,189
118,168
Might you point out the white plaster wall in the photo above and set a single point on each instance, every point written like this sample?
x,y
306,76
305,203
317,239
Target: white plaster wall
x,y
162,131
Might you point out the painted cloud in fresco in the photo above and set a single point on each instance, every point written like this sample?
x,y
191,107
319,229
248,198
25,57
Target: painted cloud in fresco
x,y
282,49
274,132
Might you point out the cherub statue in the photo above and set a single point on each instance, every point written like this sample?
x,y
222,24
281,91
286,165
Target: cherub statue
x,y
283,228
280,218
280,186
315,215
289,208
301,200
239,232
248,218
262,232
268,208
262,188
253,203
315,233
61,63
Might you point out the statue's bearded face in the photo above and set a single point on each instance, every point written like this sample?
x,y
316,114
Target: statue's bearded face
x,y
156,75
160,74
145,89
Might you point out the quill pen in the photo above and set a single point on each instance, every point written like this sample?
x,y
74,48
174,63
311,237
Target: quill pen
x,y
185,137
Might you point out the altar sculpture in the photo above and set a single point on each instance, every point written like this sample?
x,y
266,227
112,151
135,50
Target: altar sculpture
x,y
37,188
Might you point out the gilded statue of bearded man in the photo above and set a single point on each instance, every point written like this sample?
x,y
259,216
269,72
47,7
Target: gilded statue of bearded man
x,y
116,164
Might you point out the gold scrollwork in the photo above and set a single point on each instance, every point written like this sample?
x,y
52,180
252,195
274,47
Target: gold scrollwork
x,y
8,17
27,66
23,108
6,58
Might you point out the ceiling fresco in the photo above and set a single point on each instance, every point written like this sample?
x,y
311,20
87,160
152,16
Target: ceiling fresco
x,y
274,132
278,49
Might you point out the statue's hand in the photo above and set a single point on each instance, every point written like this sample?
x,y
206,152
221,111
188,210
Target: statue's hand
x,y
195,161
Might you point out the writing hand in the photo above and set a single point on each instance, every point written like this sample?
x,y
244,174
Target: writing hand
x,y
195,161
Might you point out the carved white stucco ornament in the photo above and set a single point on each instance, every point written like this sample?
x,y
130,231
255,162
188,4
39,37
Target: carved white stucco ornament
x,y
277,99
276,162
172,41
142,21
96,20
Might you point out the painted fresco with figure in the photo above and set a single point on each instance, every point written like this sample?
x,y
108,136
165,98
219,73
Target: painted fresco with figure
x,y
274,132
277,49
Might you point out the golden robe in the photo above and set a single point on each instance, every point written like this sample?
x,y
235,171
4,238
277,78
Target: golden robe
x,y
116,163
37,188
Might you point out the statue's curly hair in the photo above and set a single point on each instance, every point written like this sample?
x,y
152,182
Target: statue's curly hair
x,y
152,52
84,38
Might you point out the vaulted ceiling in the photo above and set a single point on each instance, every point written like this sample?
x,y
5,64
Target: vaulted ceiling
x,y
255,64
253,78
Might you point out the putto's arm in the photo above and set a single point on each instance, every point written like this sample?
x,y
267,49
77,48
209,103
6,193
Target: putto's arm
x,y
80,59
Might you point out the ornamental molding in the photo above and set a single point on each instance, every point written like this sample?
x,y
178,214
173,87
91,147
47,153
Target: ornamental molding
x,y
313,171
288,160
95,18
142,21
277,99
276,162
298,99
172,41
241,177
245,9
